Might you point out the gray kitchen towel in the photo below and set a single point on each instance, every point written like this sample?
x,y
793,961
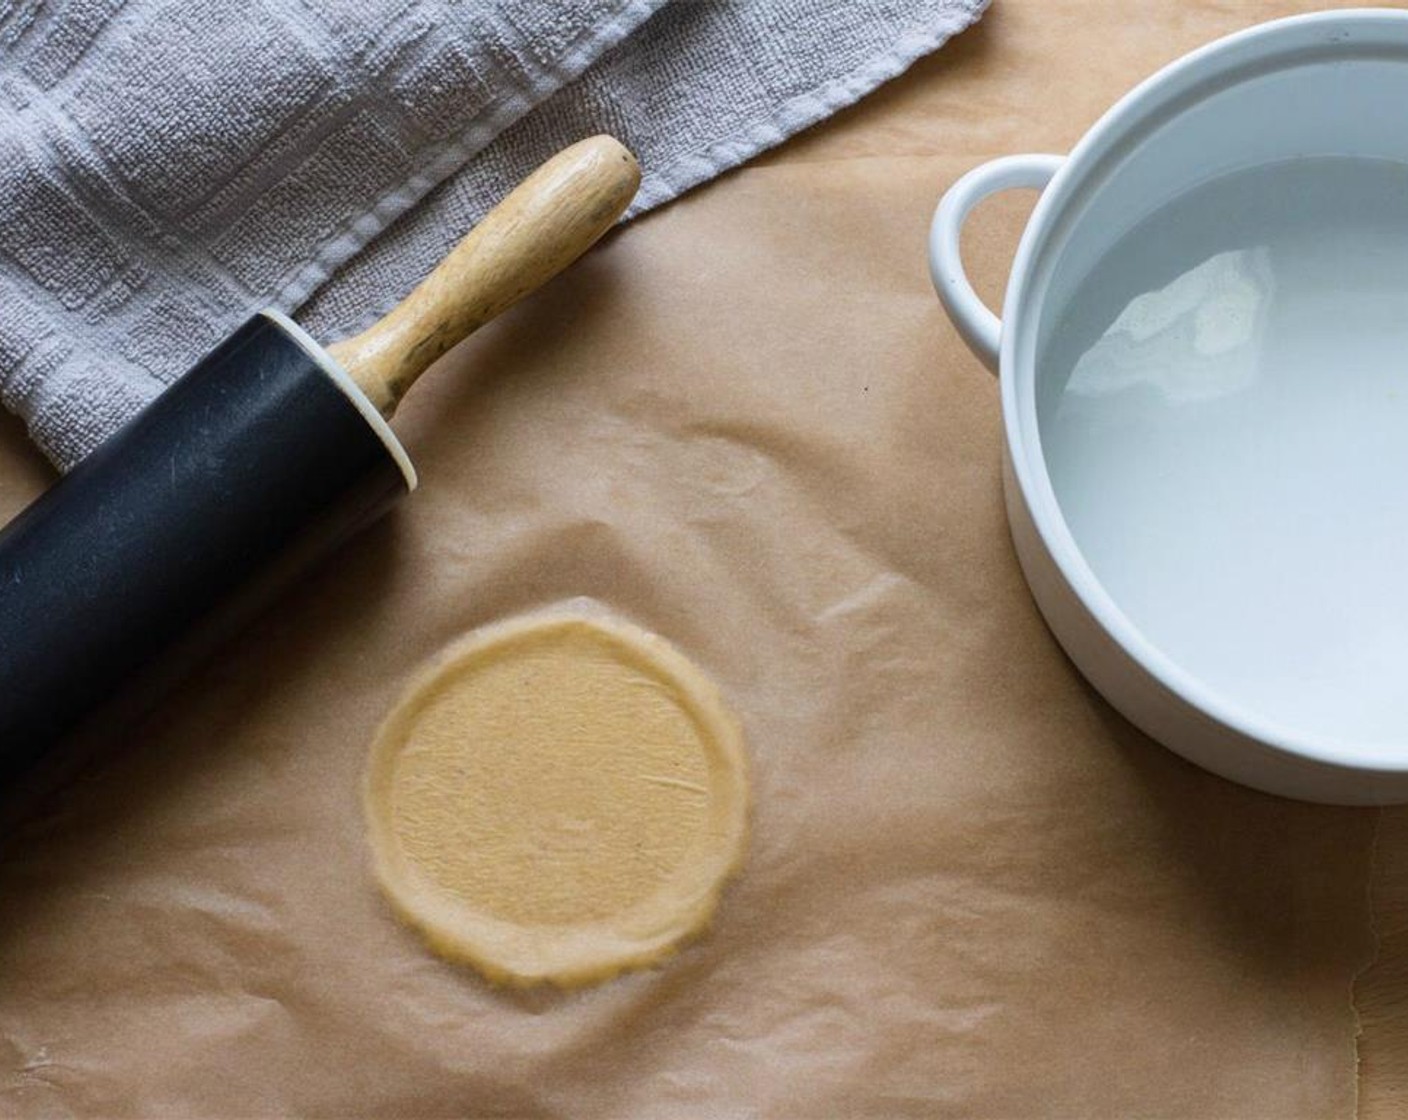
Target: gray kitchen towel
x,y
169,166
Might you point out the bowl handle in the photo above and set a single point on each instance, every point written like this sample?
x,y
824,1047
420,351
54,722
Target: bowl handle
x,y
979,327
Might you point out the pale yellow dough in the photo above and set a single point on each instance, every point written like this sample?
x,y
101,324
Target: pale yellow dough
x,y
557,799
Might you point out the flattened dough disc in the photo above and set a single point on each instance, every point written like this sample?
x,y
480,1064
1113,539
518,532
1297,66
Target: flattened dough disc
x,y
558,798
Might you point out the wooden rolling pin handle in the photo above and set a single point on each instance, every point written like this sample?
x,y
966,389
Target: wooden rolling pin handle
x,y
545,223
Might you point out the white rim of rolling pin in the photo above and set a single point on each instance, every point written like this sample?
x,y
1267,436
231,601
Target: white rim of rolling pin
x,y
343,380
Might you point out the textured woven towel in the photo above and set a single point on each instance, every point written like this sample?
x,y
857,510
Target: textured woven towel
x,y
169,166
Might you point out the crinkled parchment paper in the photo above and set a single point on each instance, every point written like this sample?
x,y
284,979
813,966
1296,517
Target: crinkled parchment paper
x,y
973,890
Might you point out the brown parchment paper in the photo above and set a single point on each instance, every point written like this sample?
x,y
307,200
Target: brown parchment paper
x,y
973,890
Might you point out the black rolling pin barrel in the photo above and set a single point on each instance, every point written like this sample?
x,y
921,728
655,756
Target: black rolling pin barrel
x,y
263,457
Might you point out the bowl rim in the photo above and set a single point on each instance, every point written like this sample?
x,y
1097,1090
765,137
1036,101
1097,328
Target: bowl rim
x,y
1293,41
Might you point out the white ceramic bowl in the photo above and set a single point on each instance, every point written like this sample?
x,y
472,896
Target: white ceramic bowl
x,y
1204,380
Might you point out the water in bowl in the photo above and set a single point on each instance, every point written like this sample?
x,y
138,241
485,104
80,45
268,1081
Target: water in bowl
x,y
1223,407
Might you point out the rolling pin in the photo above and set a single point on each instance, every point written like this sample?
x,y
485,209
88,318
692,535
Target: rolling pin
x,y
258,461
